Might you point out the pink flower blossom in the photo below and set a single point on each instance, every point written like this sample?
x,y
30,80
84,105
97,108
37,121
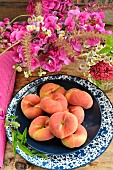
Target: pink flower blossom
x,y
31,7
70,23
93,42
19,55
53,60
76,45
102,71
50,22
34,63
6,21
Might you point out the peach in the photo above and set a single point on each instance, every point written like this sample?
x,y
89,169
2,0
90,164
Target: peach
x,y
78,111
56,103
63,124
39,129
78,97
77,139
30,106
49,88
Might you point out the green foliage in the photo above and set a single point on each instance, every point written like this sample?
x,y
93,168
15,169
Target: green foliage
x,y
109,46
19,139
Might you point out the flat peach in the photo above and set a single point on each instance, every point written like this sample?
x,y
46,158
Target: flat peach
x,y
77,139
39,129
30,106
78,111
63,124
78,97
56,103
49,88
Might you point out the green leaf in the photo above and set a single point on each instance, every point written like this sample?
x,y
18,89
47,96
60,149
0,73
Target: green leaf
x,y
12,117
15,124
104,50
19,136
14,142
109,41
111,50
36,153
111,54
25,149
24,136
6,123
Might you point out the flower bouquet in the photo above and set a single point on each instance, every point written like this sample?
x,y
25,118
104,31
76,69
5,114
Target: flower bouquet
x,y
56,34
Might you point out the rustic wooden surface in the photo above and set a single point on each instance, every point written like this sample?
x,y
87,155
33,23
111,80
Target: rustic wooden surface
x,y
104,162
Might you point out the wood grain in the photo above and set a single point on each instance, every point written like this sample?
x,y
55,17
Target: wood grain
x,y
104,162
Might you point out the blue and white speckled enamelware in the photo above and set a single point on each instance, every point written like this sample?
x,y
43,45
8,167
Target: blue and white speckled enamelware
x,y
98,122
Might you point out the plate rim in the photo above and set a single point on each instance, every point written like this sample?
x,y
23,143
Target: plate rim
x,y
52,159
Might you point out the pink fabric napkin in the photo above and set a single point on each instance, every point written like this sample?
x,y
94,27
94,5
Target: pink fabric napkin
x,y
6,89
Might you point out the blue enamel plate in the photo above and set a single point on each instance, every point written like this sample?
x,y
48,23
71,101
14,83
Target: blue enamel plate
x,y
98,123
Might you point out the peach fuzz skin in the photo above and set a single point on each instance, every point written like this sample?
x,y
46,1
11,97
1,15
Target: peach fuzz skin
x,y
78,111
63,124
49,88
76,139
30,106
39,129
56,103
78,97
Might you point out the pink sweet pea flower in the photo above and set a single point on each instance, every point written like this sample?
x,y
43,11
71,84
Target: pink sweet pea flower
x,y
47,62
31,7
50,22
16,36
83,17
69,23
74,12
19,55
34,63
6,21
76,45
93,42
35,49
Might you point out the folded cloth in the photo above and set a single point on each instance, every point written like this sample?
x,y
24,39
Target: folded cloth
x,y
7,80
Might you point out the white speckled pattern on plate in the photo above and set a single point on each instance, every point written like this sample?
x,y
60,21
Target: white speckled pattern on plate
x,y
88,153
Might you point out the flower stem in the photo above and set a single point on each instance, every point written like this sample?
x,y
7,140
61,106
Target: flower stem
x,y
25,15
10,47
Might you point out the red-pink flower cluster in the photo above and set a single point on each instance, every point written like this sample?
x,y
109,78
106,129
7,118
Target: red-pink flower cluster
x,y
102,71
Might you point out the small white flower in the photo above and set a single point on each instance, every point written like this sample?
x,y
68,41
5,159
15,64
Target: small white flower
x,y
49,33
61,36
30,27
42,73
17,68
58,28
44,29
27,74
37,29
62,32
40,19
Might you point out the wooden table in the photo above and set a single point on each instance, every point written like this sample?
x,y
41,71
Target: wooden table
x,y
104,162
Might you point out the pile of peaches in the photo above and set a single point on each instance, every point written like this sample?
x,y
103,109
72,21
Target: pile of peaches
x,y
57,112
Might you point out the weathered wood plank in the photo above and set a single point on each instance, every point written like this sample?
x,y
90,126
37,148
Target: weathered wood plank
x,y
12,10
10,1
